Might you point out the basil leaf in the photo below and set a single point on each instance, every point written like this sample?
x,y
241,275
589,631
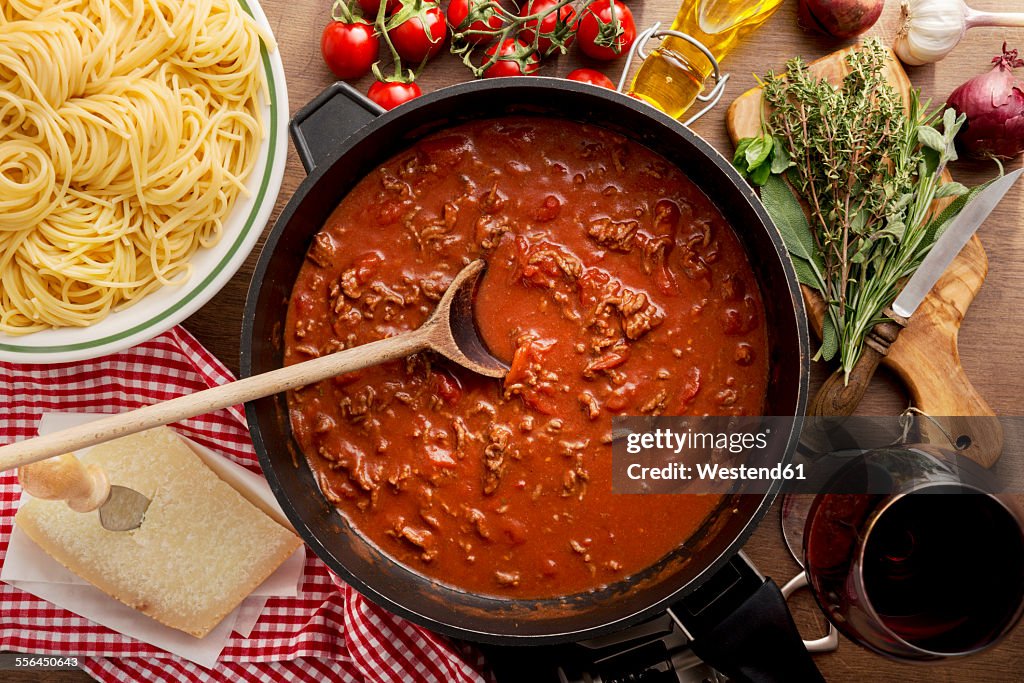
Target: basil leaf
x,y
760,175
780,157
739,159
758,152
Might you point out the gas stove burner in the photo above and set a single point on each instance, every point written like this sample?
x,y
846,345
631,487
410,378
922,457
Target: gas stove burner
x,y
662,655
654,651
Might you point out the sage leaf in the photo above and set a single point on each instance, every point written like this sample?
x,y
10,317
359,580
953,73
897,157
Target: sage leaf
x,y
950,190
895,229
901,203
804,272
931,138
789,218
829,339
949,121
952,123
939,224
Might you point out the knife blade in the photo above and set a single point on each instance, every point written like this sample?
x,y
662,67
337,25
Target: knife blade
x,y
124,510
950,243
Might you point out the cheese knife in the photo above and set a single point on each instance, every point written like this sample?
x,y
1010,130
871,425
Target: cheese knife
x,y
84,488
840,396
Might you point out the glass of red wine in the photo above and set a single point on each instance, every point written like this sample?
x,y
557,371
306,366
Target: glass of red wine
x,y
910,555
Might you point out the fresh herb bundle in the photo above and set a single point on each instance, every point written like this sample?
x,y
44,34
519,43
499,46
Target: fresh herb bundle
x,y
868,166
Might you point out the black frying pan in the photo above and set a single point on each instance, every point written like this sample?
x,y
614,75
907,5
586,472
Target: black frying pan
x,y
341,137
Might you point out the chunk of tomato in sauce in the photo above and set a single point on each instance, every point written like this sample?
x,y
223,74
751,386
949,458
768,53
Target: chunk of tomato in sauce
x,y
446,386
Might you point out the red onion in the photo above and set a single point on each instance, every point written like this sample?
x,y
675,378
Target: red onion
x,y
840,18
994,105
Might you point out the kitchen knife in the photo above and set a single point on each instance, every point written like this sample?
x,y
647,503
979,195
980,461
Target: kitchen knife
x,y
84,488
840,395
950,243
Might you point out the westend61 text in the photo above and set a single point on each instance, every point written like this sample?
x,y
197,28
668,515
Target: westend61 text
x,y
709,471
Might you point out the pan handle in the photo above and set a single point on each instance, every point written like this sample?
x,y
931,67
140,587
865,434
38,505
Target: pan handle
x,y
319,128
739,624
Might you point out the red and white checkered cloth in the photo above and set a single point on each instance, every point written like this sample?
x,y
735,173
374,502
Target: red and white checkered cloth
x,y
329,632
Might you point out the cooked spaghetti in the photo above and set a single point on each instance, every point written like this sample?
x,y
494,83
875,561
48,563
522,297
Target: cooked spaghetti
x,y
127,129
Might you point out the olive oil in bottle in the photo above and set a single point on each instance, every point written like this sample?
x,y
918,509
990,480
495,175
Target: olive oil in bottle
x,y
673,75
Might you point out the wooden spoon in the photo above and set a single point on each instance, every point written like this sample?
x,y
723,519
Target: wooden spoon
x,y
450,331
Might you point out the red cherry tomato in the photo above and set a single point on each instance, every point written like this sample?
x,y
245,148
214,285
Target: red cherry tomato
x,y
548,23
370,8
592,76
509,67
412,41
349,49
458,12
596,20
390,95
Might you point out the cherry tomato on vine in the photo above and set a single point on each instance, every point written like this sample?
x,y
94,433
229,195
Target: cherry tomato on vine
x,y
549,22
370,8
411,39
511,67
596,27
390,94
349,49
592,76
458,12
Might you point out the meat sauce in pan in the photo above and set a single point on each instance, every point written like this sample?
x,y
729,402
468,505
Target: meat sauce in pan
x,y
614,287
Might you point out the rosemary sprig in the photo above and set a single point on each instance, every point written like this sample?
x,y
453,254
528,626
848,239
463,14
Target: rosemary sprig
x,y
868,166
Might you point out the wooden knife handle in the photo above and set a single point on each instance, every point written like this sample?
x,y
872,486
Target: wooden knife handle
x,y
841,395
83,487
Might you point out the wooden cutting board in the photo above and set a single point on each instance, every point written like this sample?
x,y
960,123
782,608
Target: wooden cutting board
x,y
925,356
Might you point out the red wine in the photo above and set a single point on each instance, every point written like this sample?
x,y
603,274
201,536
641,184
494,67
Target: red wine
x,y
944,572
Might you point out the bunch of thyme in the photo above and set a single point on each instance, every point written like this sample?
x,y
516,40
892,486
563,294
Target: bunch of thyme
x,y
868,165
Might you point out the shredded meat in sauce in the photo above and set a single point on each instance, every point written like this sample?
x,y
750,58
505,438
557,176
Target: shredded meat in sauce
x,y
614,287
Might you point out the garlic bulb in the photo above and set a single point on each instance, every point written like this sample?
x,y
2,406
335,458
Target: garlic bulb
x,y
932,28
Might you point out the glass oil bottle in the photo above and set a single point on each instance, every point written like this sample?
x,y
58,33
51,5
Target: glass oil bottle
x,y
673,74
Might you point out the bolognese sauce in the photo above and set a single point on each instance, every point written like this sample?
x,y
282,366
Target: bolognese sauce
x,y
614,287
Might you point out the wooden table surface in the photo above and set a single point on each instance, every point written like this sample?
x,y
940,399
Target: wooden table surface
x,y
991,347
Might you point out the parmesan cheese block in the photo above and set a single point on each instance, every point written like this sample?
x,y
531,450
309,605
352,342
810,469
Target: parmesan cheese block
x,y
201,549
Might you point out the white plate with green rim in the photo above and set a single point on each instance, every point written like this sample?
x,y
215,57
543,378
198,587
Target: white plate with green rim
x,y
164,308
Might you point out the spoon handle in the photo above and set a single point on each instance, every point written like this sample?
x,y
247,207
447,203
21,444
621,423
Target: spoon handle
x,y
208,400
